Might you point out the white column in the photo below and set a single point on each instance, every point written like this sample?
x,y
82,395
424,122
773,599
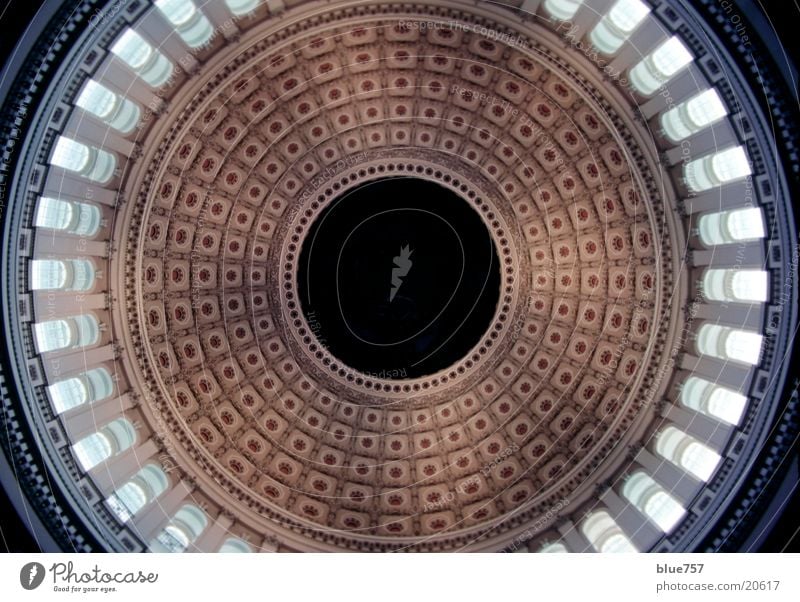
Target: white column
x,y
89,417
572,537
689,82
115,75
211,539
66,245
708,140
159,32
275,6
744,316
636,526
65,304
589,14
85,127
118,470
77,361
647,37
155,518
707,430
737,254
63,185
220,18
729,196
728,374
529,7
678,483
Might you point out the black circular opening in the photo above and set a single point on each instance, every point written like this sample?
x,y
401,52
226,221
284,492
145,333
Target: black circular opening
x,y
399,278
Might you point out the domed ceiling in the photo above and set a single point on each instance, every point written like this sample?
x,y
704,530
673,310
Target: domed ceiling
x,y
554,382
416,277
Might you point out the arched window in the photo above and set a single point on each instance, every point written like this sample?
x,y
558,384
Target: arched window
x,y
555,547
746,224
92,449
78,331
693,115
735,285
736,225
147,62
81,274
729,343
660,66
717,169
88,330
713,400
68,394
562,9
111,108
241,7
95,164
58,274
184,528
73,217
686,452
652,500
48,274
618,25
604,534
190,23
233,545
53,335
71,155
145,486
112,439
94,385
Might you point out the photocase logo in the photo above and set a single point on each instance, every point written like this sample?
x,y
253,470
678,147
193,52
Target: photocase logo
x,y
31,575
403,265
